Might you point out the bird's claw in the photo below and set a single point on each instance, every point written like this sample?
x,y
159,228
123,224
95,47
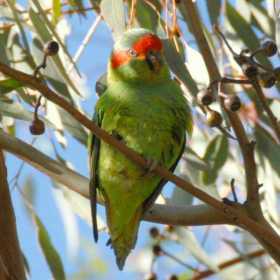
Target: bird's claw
x,y
151,166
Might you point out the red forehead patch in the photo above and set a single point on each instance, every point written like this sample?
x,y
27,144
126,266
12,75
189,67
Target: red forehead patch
x,y
146,43
119,58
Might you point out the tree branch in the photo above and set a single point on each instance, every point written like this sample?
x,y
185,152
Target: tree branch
x,y
11,261
247,149
164,214
230,212
226,264
195,24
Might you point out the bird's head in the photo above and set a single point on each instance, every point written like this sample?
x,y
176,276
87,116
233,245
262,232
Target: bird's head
x,y
138,57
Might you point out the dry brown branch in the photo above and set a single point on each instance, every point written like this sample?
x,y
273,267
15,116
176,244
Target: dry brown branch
x,y
11,261
226,264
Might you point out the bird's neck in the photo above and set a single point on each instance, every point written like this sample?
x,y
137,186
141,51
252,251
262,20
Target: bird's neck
x,y
130,75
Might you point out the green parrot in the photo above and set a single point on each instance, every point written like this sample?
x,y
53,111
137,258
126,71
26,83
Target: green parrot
x,y
144,108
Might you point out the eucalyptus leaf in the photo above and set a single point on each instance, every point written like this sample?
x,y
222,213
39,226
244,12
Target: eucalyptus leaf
x,y
146,16
113,13
50,253
195,160
189,241
17,111
52,29
277,29
3,45
45,36
69,220
56,10
267,147
81,206
216,155
244,31
261,19
73,127
9,85
214,9
178,66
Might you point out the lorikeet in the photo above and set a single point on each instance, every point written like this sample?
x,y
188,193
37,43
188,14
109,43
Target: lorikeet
x,y
145,109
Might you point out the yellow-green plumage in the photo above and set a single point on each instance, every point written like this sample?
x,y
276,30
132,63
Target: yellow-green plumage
x,y
150,115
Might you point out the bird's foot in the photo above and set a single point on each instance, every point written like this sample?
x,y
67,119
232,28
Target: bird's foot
x,y
151,166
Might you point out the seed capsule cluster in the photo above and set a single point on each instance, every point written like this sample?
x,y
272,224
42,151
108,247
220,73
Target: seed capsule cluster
x,y
256,71
214,118
158,251
252,69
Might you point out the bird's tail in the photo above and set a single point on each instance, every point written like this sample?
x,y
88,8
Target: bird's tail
x,y
123,241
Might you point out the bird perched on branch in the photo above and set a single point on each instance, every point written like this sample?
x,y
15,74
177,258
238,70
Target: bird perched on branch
x,y
146,110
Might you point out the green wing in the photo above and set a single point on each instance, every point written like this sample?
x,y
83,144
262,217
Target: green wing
x,y
94,147
150,200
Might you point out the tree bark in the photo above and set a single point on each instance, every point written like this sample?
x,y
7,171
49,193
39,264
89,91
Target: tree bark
x,y
11,260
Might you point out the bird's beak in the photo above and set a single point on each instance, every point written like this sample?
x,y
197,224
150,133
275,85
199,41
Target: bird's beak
x,y
154,60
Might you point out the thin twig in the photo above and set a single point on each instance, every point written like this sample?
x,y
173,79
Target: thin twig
x,y
226,264
132,13
216,28
173,257
232,186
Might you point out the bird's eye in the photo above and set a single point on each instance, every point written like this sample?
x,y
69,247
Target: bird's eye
x,y
132,52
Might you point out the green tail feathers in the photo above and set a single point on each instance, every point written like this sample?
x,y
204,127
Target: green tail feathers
x,y
123,240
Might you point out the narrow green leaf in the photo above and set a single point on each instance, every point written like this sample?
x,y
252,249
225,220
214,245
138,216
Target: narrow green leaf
x,y
50,253
3,46
261,19
216,155
244,31
178,66
73,127
214,8
46,36
9,85
23,34
188,239
54,33
146,16
78,4
56,11
195,160
26,264
277,29
113,13
242,27
17,111
180,197
267,147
